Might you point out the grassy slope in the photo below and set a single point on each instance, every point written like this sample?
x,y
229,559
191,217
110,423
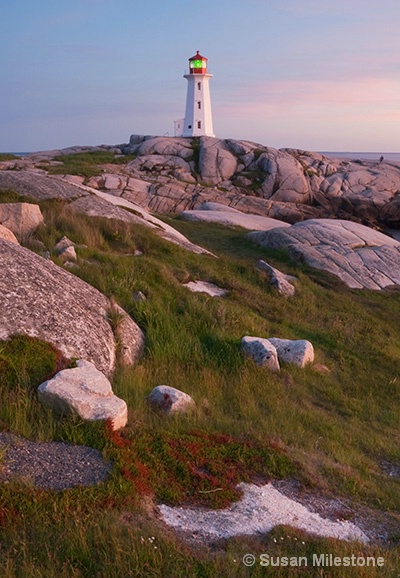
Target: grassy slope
x,y
331,430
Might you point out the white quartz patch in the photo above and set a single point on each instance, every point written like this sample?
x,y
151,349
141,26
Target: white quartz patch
x,y
205,287
259,511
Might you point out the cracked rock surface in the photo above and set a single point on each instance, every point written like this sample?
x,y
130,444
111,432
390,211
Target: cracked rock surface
x,y
361,257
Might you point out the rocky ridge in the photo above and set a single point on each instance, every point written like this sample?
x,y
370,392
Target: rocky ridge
x,y
171,175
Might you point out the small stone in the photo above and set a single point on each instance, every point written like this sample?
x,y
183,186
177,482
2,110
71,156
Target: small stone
x,y
262,351
139,296
299,352
277,279
319,368
69,254
170,400
63,244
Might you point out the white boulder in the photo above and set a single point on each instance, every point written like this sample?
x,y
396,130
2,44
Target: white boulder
x,y
85,391
170,400
299,352
262,351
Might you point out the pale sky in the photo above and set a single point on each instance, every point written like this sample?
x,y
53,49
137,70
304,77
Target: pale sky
x,y
316,75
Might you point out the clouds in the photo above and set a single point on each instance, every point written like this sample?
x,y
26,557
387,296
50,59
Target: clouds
x,y
340,114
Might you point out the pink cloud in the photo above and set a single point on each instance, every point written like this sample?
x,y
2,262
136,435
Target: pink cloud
x,y
357,98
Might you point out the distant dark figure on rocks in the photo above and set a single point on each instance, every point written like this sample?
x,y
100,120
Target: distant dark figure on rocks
x,y
381,159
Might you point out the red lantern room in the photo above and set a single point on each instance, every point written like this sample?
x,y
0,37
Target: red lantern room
x,y
198,64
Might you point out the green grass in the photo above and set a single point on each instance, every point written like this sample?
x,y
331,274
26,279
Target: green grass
x,y
332,431
88,164
8,157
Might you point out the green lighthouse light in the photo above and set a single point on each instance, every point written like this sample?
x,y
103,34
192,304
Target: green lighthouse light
x,y
197,64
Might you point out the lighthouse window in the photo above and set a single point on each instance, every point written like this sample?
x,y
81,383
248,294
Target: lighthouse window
x,y
199,104
189,126
199,85
199,124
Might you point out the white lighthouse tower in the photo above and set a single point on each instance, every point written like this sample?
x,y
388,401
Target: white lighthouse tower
x,y
198,118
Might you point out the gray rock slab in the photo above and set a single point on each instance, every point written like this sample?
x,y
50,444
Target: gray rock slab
x,y
179,147
39,186
360,256
85,391
40,299
233,218
100,204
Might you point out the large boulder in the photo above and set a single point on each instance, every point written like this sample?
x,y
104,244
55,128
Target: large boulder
x,y
360,256
85,391
21,218
40,299
216,162
284,177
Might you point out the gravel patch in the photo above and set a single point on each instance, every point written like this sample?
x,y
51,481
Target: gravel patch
x,y
50,465
259,511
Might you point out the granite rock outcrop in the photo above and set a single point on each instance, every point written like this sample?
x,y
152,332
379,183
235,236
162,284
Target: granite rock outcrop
x,y
361,257
171,175
40,299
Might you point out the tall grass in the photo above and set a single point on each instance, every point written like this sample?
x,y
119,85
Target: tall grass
x,y
334,429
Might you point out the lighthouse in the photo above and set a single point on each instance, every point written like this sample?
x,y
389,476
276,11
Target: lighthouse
x,y
198,117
